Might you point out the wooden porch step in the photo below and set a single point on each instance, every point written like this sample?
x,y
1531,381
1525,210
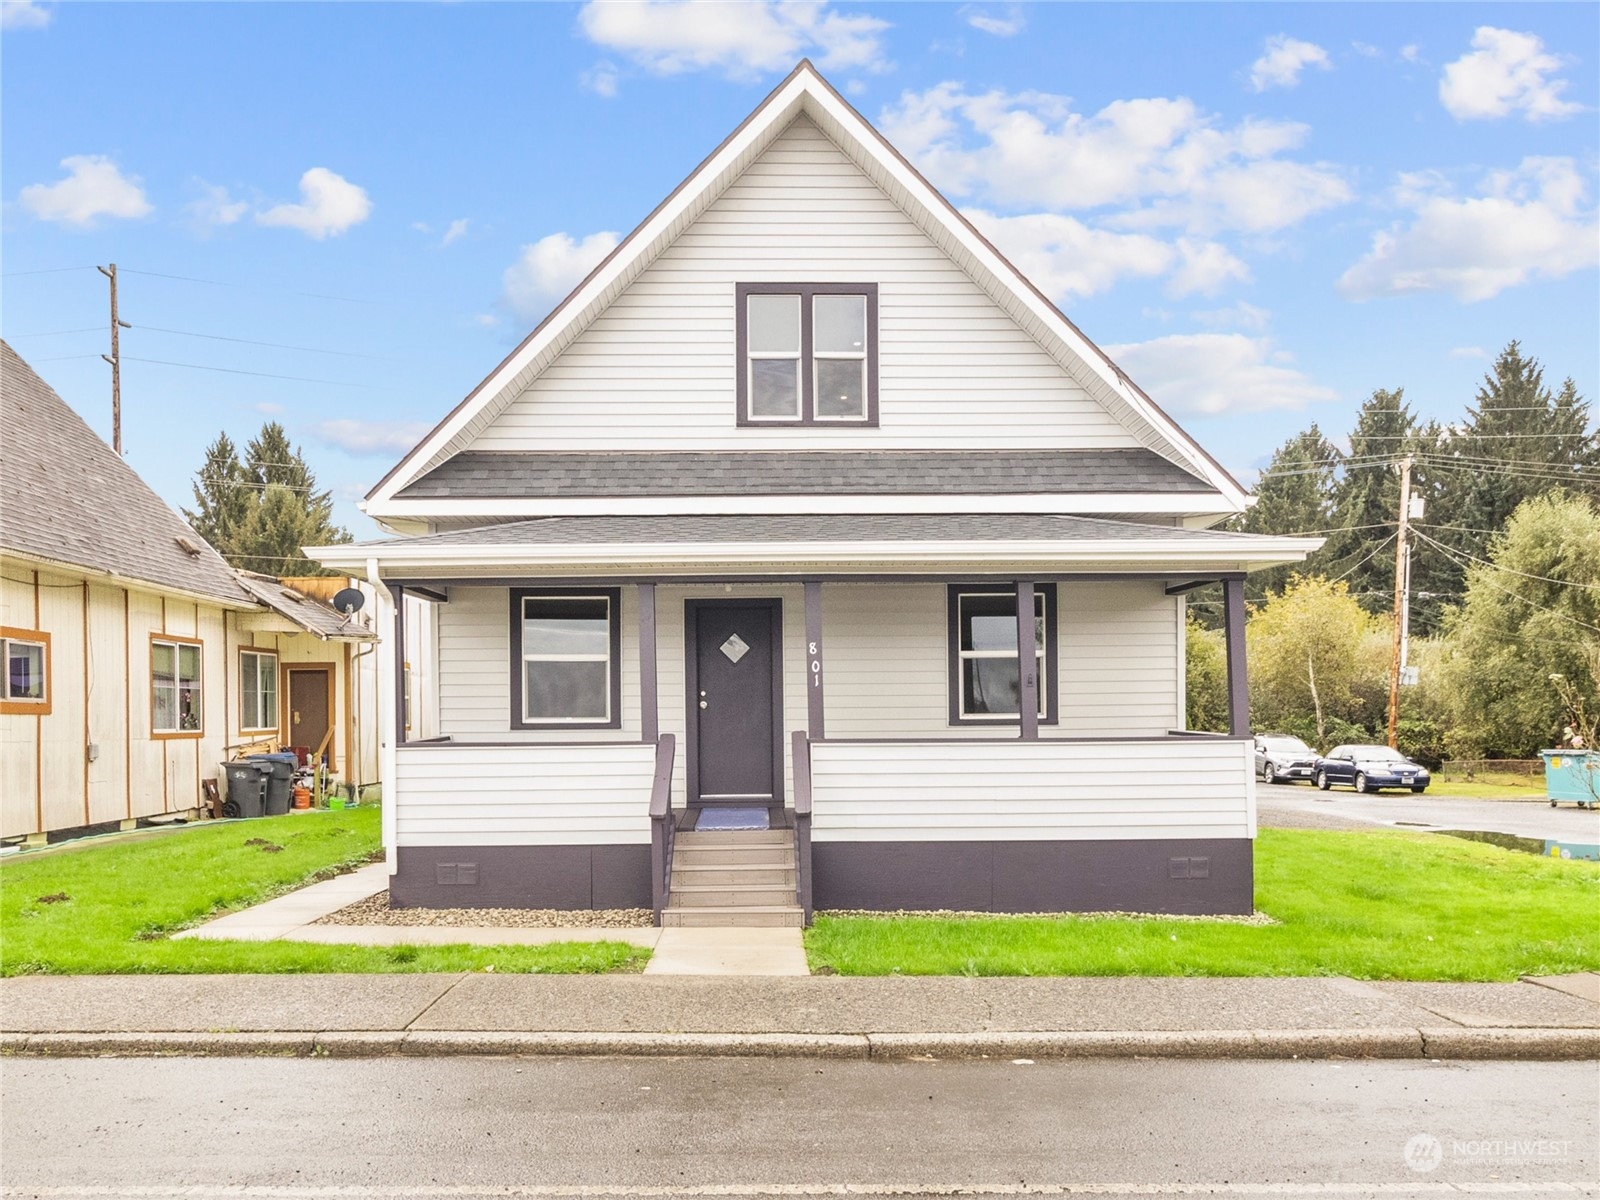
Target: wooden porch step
x,y
746,916
699,838
740,874
724,895
770,855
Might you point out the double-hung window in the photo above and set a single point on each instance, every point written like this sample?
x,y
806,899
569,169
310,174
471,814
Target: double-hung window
x,y
177,705
258,691
808,353
566,658
26,688
985,684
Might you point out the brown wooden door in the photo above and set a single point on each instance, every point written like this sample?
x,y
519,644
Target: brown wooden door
x,y
310,707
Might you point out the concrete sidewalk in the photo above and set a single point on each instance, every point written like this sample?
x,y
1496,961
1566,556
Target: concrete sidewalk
x,y
824,1015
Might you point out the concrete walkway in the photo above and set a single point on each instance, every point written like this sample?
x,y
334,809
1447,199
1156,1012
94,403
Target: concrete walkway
x,y
834,1016
686,951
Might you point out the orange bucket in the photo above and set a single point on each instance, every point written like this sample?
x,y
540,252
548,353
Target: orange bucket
x,y
302,797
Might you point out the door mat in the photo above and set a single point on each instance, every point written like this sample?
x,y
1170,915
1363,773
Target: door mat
x,y
731,818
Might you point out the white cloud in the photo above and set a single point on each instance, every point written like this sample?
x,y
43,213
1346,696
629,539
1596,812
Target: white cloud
x,y
214,208
1064,258
23,14
1242,315
1411,53
1209,374
550,268
1283,61
486,320
93,188
1469,352
601,79
457,231
1523,224
744,40
1506,72
329,205
1009,25
1164,162
1366,49
372,437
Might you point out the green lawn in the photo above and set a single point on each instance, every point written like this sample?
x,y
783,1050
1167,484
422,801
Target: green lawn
x,y
105,908
1488,785
1372,905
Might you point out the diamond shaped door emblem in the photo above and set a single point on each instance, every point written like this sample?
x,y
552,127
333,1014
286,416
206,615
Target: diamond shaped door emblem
x,y
735,648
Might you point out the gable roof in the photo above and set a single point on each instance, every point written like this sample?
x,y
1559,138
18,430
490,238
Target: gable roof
x,y
804,91
503,475
67,497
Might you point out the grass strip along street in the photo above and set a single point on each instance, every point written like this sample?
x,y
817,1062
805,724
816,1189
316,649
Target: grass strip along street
x,y
106,907
1371,905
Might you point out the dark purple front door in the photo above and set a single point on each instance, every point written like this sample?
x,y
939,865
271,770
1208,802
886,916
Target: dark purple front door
x,y
734,691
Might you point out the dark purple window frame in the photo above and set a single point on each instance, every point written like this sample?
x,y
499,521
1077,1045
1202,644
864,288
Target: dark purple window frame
x,y
614,675
1052,652
806,291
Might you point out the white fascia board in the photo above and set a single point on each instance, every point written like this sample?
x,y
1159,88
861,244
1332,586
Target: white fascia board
x,y
1156,553
1168,504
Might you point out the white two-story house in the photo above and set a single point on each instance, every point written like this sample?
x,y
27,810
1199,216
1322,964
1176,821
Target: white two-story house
x,y
807,511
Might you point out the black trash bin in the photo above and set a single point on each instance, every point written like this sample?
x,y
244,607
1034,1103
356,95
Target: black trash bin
x,y
278,770
247,784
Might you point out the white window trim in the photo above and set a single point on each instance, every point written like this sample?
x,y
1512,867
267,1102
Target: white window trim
x,y
177,645
1041,609
857,356
611,618
41,701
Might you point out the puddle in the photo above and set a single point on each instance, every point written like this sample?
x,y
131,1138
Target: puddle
x,y
1524,845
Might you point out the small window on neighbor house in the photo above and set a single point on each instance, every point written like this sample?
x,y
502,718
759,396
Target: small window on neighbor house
x,y
258,691
984,680
27,666
566,649
807,354
176,701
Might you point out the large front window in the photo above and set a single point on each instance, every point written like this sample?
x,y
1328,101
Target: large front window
x,y
176,702
807,354
985,681
566,649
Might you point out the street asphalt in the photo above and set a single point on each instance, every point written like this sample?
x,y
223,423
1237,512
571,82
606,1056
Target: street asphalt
x,y
1300,805
669,1128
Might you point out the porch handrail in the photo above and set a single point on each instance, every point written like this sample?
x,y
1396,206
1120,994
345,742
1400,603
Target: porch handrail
x,y
802,821
661,824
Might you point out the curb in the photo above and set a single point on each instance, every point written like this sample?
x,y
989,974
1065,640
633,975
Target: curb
x,y
1549,1045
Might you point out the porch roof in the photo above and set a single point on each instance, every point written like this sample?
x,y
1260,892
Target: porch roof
x,y
830,542
307,612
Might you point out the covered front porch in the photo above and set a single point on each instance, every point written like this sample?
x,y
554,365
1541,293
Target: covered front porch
x,y
974,733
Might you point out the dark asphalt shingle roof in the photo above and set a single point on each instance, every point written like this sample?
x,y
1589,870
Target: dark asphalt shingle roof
x,y
313,615
480,474
66,496
838,527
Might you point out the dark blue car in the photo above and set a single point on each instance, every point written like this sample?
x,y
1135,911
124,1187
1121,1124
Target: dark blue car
x,y
1370,769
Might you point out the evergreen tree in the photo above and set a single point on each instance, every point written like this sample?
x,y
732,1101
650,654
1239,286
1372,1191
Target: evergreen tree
x,y
1293,496
222,505
259,513
1366,500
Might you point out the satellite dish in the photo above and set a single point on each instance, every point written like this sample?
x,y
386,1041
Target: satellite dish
x,y
349,600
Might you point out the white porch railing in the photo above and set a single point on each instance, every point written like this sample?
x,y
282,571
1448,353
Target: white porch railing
x,y
1050,789
461,794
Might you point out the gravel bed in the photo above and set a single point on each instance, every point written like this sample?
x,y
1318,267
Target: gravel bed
x,y
375,910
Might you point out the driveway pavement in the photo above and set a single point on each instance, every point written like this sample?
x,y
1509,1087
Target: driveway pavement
x,y
1301,805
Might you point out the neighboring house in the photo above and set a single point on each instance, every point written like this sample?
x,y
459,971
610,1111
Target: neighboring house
x,y
748,522
136,659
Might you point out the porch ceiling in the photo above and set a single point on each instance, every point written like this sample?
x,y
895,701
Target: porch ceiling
x,y
829,543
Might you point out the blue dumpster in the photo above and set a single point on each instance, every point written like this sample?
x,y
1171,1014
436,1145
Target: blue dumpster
x,y
1573,776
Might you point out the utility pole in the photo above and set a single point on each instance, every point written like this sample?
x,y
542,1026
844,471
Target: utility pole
x,y
1401,588
115,359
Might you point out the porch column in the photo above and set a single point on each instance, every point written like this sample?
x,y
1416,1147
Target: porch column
x,y
399,594
814,719
1027,663
649,717
1238,683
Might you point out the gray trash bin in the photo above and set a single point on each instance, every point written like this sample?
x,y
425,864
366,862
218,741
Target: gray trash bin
x,y
247,784
279,776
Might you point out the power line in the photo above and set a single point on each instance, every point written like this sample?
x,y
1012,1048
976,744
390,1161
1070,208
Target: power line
x,y
59,332
217,337
259,374
1451,550
250,287
45,271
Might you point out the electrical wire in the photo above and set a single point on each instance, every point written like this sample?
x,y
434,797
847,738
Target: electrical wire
x,y
1450,550
259,374
217,337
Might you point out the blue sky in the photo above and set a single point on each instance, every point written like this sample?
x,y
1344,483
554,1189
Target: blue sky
x,y
1265,211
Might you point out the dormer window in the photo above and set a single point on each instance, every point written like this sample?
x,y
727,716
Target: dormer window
x,y
808,353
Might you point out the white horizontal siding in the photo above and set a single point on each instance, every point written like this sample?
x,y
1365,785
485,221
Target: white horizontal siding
x,y
886,653
464,795
656,369
1037,791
